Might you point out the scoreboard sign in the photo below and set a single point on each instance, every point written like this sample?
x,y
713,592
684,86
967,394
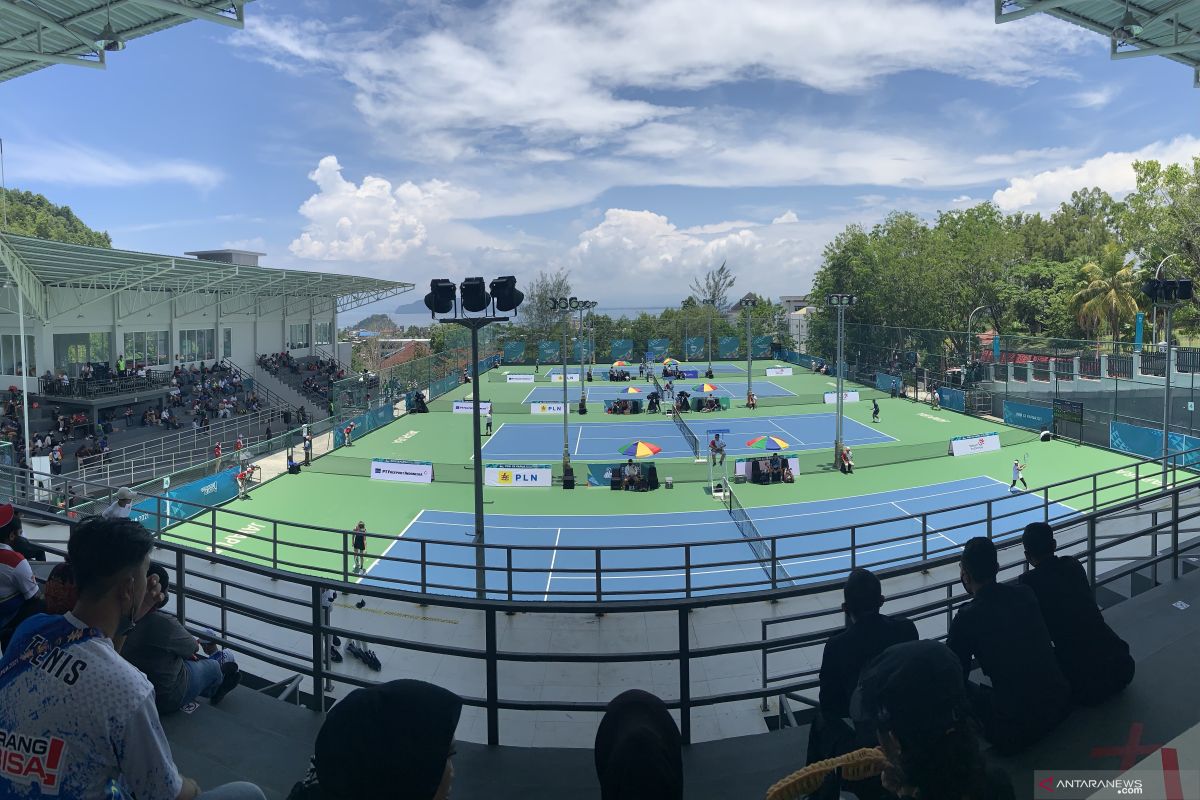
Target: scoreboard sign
x,y
1068,411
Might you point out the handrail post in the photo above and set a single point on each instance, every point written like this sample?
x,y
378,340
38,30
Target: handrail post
x,y
493,707
989,519
599,591
181,587
687,570
774,564
508,572
320,651
274,545
345,557
853,547
924,536
685,679
1091,552
1045,504
424,568
949,606
1095,499
212,524
1174,535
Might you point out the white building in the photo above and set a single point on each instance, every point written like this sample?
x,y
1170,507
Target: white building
x,y
798,322
794,302
93,304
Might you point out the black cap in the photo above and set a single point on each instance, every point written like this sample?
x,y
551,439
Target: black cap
x,y
1038,539
638,750
389,740
911,687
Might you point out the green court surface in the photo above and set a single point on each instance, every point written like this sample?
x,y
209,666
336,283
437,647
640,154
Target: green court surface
x,y
336,493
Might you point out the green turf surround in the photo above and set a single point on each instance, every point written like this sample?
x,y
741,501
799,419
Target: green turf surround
x,y
340,501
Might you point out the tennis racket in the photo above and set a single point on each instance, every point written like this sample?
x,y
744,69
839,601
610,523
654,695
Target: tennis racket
x,y
1025,460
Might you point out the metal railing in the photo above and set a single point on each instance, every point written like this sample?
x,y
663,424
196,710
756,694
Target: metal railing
x,y
265,395
211,584
102,387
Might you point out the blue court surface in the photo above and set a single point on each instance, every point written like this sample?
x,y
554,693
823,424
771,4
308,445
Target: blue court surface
x,y
700,366
597,441
598,392
821,552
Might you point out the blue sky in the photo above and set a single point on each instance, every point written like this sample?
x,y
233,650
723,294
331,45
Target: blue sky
x,y
634,143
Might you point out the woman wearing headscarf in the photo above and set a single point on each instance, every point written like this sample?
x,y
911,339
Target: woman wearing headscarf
x,y
638,750
393,740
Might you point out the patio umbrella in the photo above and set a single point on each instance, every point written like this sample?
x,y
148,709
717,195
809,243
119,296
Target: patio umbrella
x,y
620,363
706,387
667,362
632,390
768,443
640,449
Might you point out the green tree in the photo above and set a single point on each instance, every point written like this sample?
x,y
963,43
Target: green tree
x,y
1108,290
713,288
1162,216
31,214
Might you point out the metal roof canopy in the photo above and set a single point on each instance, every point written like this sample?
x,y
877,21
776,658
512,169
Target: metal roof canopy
x,y
1170,28
37,33
36,265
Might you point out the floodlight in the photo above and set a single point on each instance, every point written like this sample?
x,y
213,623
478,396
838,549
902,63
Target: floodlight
x,y
1152,288
108,39
474,295
440,299
1169,289
1129,27
506,293
1184,290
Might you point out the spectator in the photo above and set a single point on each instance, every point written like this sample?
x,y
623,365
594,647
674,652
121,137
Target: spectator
x,y
61,592
1095,661
867,634
1003,629
167,654
392,740
638,750
82,694
19,595
630,473
912,697
120,507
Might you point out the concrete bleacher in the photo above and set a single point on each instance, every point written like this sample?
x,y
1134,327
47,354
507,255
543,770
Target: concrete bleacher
x,y
258,738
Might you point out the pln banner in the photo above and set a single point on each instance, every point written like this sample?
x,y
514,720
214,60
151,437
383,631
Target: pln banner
x,y
546,408
519,377
387,469
778,372
557,377
970,445
847,397
693,347
510,475
468,407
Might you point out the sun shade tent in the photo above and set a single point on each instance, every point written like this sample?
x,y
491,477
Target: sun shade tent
x,y
1166,28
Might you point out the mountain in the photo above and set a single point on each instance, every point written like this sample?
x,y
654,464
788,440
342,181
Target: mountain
x,y
415,307
32,214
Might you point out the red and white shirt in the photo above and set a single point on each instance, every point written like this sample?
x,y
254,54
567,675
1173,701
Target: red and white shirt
x,y
17,583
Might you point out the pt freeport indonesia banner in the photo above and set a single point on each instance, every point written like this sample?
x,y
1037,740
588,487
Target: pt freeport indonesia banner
x,y
467,407
572,377
546,408
778,372
508,475
519,377
970,445
847,397
386,469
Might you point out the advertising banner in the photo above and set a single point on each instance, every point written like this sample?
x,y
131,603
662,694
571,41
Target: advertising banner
x,y
1147,442
970,445
572,377
952,399
1139,324
847,397
621,349
177,506
519,377
510,475
549,351
886,383
728,347
693,347
387,469
514,352
582,352
546,408
468,407
656,349
761,345
1023,415
778,372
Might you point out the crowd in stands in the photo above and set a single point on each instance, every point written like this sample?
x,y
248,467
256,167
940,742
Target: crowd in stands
x,y
314,378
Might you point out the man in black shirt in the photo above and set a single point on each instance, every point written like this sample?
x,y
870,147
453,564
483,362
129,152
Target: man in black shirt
x,y
868,633
1002,627
1095,661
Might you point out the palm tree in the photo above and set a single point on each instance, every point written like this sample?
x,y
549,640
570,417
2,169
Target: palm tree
x,y
1108,290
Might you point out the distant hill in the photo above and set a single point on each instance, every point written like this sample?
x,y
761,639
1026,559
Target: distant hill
x,y
415,307
32,214
376,322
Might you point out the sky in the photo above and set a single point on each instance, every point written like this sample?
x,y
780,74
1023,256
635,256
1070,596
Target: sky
x,y
633,143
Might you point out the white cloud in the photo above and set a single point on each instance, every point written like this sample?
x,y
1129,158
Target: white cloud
x,y
1112,172
1098,97
785,218
81,165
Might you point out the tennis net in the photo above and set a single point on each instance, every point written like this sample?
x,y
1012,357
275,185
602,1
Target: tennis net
x,y
691,438
657,385
749,531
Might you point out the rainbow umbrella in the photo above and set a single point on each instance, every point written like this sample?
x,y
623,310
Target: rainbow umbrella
x,y
768,443
706,387
620,363
640,449
632,390
670,361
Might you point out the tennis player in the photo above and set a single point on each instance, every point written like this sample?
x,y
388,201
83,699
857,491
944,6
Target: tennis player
x,y
1018,470
347,432
360,546
488,432
874,410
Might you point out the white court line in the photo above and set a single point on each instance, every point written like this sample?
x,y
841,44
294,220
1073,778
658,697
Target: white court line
x,y
931,529
578,438
786,432
550,572
367,571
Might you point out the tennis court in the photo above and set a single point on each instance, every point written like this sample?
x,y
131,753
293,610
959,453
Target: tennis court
x,y
528,441
546,572
599,391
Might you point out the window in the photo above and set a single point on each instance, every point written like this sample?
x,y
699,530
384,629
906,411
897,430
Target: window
x,y
323,332
148,347
297,336
10,354
72,350
227,343
198,345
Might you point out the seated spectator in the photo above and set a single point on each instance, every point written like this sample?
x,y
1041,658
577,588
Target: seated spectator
x,y
788,477
638,750
1094,660
630,475
170,657
1002,628
120,508
391,740
846,463
751,400
775,465
867,634
92,699
20,597
912,697
708,373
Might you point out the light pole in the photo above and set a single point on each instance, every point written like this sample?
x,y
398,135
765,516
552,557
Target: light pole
x,y
970,334
568,304
1168,293
504,297
840,302
749,303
